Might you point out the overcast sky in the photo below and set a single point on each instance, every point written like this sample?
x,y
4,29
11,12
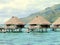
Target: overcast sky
x,y
22,8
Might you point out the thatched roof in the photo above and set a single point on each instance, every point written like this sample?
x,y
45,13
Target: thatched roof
x,y
14,20
39,20
57,22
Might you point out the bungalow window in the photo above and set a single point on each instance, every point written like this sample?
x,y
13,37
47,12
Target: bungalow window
x,y
33,24
46,26
57,25
20,26
8,25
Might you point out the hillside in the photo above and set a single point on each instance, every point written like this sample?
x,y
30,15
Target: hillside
x,y
50,13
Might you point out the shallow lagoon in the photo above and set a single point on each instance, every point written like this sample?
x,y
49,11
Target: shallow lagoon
x,y
32,38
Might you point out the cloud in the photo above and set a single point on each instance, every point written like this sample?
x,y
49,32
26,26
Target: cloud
x,y
7,13
5,1
27,4
22,8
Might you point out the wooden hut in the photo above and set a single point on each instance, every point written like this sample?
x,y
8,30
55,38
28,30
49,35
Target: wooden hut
x,y
56,24
14,23
39,22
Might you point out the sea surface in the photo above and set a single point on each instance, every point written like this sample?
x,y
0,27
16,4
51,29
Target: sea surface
x,y
32,38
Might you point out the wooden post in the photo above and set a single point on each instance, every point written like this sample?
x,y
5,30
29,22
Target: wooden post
x,y
46,29
39,29
53,29
28,30
42,29
19,29
1,30
9,30
32,29
4,30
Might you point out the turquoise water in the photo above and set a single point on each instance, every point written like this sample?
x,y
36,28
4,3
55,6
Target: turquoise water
x,y
32,38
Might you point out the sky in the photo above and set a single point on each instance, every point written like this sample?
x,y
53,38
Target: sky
x,y
22,8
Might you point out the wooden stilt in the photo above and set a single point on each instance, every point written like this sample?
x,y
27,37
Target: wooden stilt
x,y
20,29
4,31
28,30
39,29
1,30
32,29
42,29
46,30
53,29
9,30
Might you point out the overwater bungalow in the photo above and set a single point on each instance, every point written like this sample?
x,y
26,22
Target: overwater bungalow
x,y
39,22
14,23
56,24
